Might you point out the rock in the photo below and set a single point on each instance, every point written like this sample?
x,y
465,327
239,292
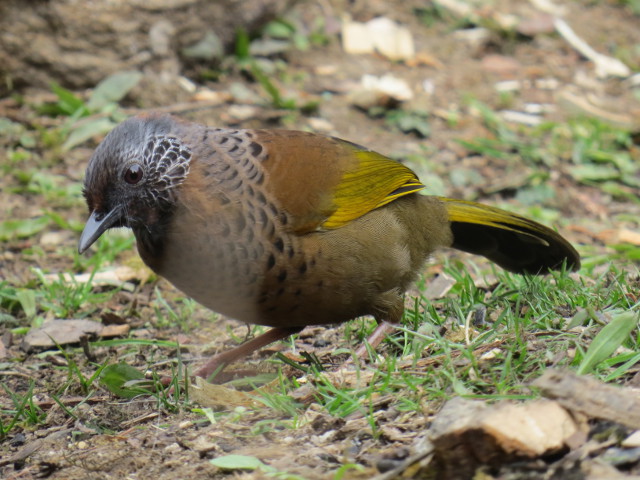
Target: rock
x,y
467,433
632,441
77,46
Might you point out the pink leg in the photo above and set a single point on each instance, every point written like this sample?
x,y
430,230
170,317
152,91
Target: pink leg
x,y
379,334
220,361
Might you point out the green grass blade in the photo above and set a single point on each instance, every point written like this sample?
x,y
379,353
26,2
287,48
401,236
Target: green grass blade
x,y
608,340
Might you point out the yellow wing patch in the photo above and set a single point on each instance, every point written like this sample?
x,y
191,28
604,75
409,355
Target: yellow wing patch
x,y
376,181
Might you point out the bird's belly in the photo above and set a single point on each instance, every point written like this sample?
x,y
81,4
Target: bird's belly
x,y
259,287
289,280
224,277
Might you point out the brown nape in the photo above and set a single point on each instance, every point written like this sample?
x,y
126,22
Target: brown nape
x,y
532,252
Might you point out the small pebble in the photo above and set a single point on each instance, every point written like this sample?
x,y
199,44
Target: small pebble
x,y
632,440
387,464
621,456
18,440
173,448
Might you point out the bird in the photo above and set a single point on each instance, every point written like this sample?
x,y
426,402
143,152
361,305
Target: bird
x,y
288,229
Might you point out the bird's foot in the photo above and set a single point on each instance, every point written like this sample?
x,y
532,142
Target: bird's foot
x,y
213,370
377,336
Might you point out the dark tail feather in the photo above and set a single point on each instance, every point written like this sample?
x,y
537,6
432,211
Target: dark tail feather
x,y
514,242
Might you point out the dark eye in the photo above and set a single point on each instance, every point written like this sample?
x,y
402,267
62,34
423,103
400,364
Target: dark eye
x,y
133,174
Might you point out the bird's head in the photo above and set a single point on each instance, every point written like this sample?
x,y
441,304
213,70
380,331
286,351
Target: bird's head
x,y
132,176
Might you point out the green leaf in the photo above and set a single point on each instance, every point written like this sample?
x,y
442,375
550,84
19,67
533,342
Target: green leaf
x,y
608,340
580,318
344,469
9,128
621,191
208,413
11,229
410,121
593,172
68,103
238,462
113,89
209,48
123,380
87,130
279,29
27,299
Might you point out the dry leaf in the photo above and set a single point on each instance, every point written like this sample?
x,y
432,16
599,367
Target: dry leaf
x,y
218,396
61,332
619,235
115,331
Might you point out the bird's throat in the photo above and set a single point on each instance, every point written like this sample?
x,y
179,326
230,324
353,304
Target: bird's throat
x,y
151,237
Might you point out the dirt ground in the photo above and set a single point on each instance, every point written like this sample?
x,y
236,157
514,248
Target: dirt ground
x,y
107,438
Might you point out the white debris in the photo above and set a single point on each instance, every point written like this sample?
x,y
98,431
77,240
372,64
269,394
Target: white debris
x,y
381,35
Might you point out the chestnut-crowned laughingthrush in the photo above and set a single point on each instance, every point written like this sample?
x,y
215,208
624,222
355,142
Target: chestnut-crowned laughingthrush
x,y
287,228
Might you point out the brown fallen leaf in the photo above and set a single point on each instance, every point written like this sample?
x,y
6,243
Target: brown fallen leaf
x,y
61,332
426,59
211,97
218,396
619,235
114,331
501,64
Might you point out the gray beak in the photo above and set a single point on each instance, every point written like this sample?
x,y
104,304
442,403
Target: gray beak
x,y
97,224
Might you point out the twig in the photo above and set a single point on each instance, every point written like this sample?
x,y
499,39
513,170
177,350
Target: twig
x,y
605,66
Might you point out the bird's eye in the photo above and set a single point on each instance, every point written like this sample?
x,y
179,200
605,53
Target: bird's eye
x,y
133,174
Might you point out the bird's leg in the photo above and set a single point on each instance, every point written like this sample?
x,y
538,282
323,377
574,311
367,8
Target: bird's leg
x,y
379,334
390,310
218,362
